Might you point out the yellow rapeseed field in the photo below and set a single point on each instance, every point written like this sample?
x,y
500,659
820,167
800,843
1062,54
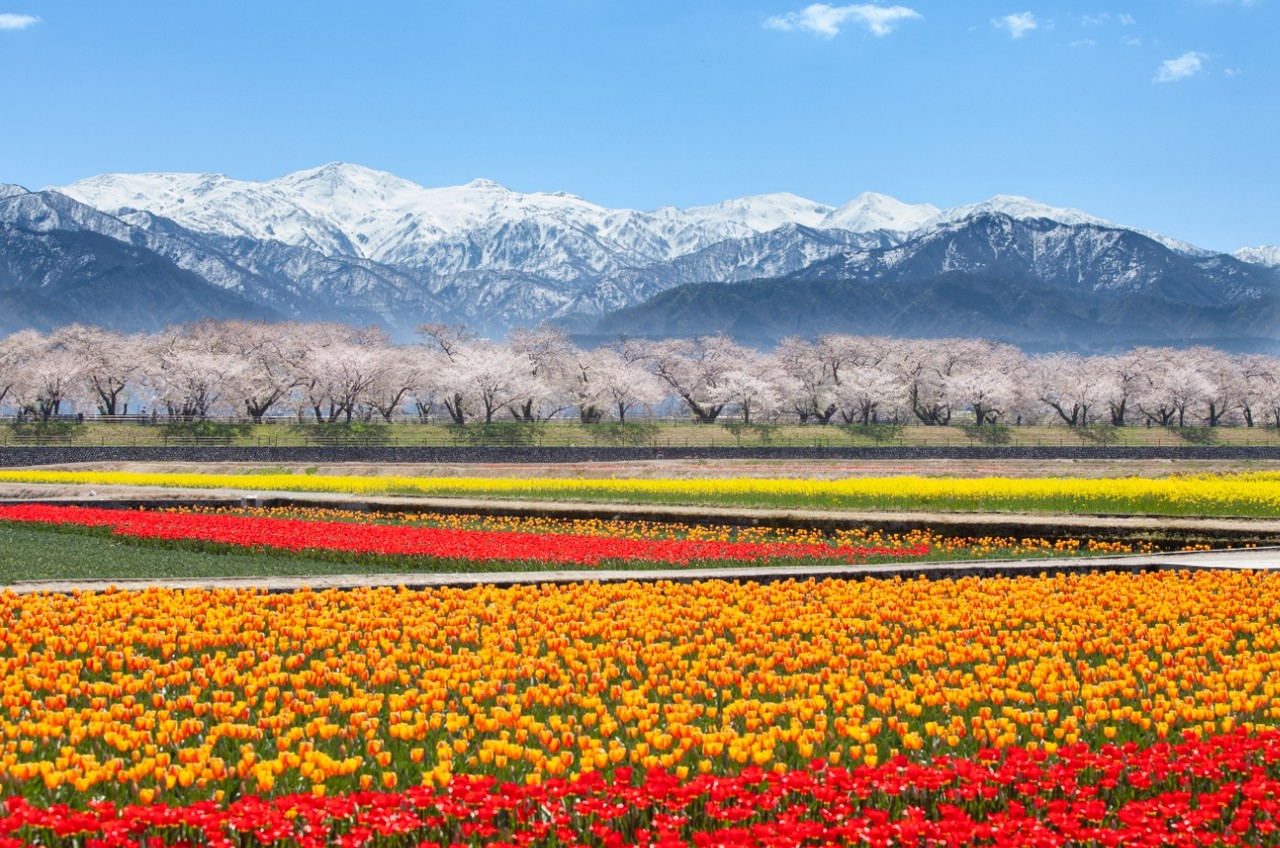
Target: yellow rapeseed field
x,y
1250,494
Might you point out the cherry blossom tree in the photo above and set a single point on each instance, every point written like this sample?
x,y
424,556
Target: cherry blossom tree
x,y
550,362
867,382
443,344
401,377
1071,385
13,352
604,381
189,370
1259,398
48,374
268,357
987,378
483,378
810,381
1220,382
109,362
923,367
1120,378
756,386
339,367
1169,385
427,367
697,370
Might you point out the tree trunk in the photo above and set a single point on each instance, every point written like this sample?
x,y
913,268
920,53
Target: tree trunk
x,y
1071,420
456,412
706,415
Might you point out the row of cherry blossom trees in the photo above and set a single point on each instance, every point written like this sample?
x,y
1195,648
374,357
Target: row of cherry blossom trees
x,y
333,372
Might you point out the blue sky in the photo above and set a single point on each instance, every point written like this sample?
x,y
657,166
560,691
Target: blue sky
x,y
1156,114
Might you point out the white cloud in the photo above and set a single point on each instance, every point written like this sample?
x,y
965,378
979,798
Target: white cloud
x,y
1127,20
826,21
1131,41
1018,24
1095,20
1084,42
8,20
1187,65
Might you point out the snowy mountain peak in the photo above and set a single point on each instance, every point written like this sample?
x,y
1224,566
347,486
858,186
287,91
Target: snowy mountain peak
x,y
10,190
342,169
481,184
1268,255
1025,209
151,191
1021,208
870,211
344,174
760,213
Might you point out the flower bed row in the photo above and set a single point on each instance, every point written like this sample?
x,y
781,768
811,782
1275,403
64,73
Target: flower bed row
x,y
181,696
1251,494
1221,790
939,545
398,540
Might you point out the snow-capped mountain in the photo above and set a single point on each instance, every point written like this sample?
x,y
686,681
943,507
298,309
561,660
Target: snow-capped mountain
x,y
1018,208
63,262
494,256
775,253
761,213
1026,209
1262,255
259,277
870,212
1039,283
348,210
1069,255
344,241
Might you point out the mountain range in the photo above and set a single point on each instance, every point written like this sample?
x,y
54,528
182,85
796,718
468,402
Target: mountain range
x,y
343,242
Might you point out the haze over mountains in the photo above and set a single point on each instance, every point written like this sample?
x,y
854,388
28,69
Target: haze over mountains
x,y
343,242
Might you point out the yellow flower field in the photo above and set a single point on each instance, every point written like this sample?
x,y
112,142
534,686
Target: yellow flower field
x,y
1250,494
180,695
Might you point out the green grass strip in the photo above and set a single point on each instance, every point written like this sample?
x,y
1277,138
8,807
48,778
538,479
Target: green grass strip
x,y
70,552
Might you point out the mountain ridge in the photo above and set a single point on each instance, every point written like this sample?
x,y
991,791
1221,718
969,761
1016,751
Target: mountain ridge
x,y
451,209
345,242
